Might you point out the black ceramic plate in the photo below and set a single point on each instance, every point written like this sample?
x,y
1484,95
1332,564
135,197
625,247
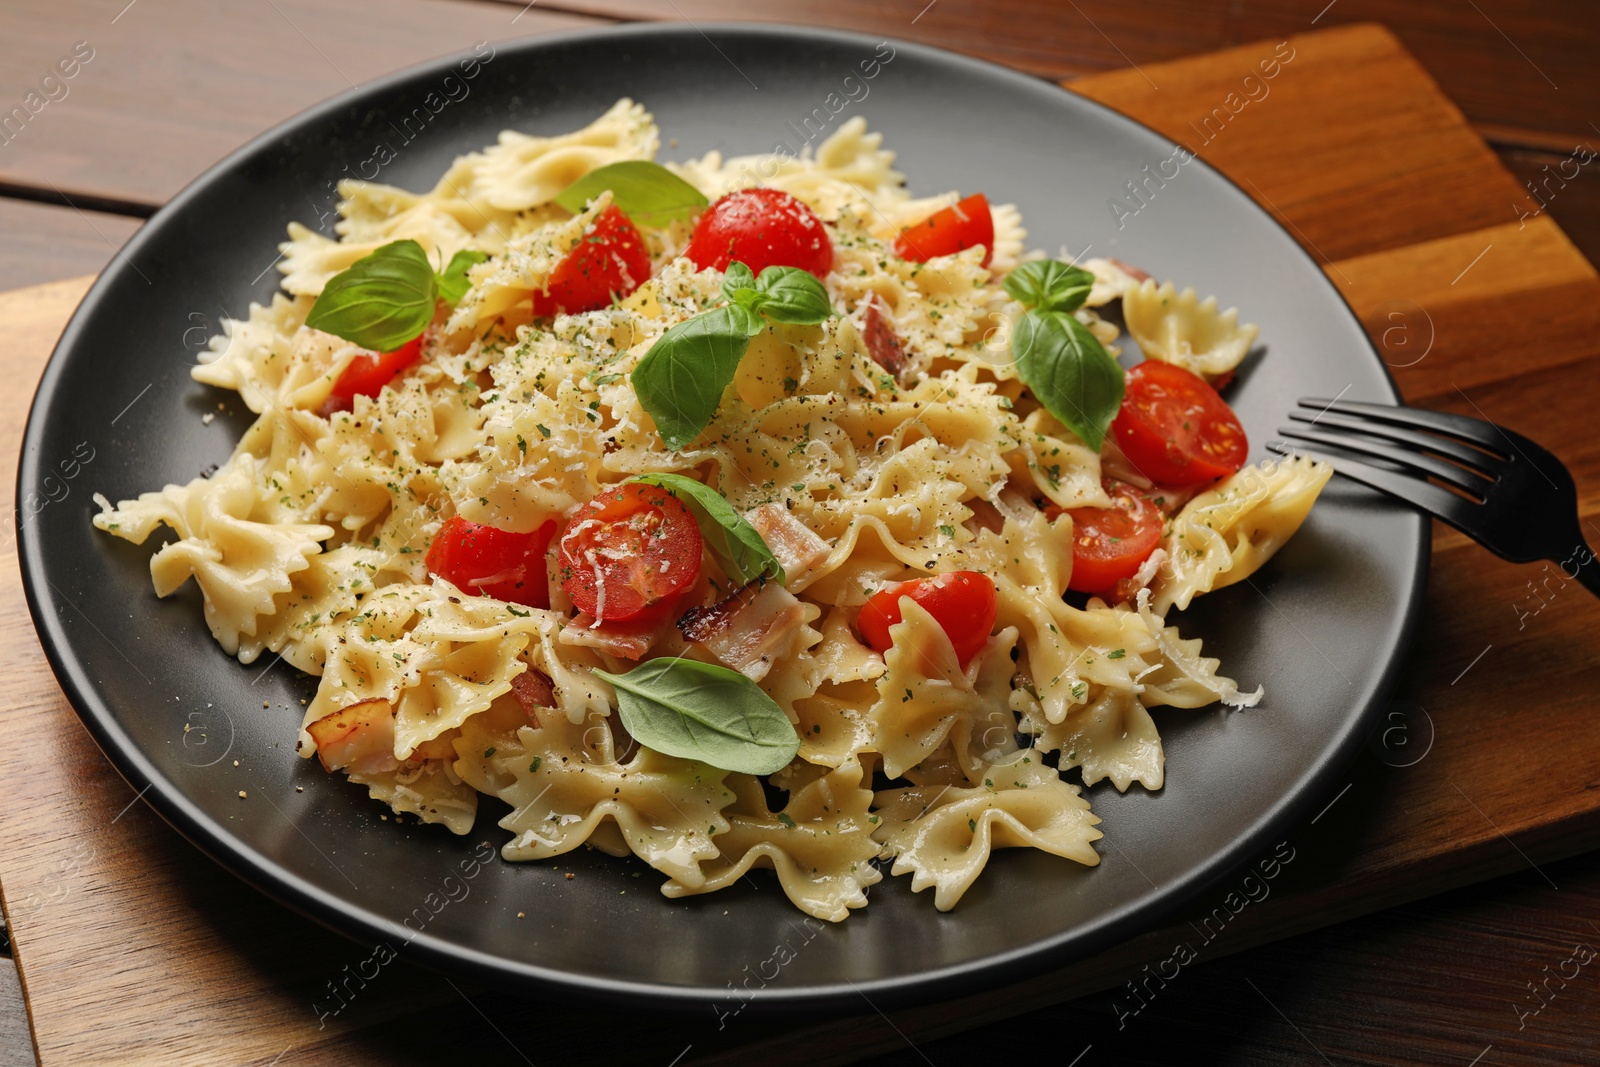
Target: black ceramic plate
x,y
1320,627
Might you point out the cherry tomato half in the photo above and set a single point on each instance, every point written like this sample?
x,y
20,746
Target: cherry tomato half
x,y
1110,544
368,373
963,602
484,561
1175,429
946,232
761,228
609,260
630,553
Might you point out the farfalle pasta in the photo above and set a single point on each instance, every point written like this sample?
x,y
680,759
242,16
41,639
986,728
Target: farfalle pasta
x,y
1183,329
414,522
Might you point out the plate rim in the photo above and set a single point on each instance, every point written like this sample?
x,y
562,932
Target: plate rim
x,y
353,920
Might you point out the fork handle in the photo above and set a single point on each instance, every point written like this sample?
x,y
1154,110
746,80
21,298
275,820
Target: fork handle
x,y
1588,568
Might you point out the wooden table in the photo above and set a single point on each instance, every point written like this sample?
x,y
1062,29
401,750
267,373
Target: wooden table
x,y
134,948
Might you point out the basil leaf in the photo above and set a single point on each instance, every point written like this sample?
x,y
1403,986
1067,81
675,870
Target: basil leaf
x,y
739,548
453,283
1050,285
792,295
380,301
648,193
704,712
749,300
681,379
737,281
745,317
1069,371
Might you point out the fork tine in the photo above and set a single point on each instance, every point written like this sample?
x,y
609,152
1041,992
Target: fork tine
x,y
1461,478
1476,431
1440,503
1466,455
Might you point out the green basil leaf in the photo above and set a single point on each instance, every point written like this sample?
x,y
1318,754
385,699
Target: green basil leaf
x,y
792,295
1050,285
704,712
739,548
453,283
681,379
380,301
648,193
745,317
1069,371
749,300
737,281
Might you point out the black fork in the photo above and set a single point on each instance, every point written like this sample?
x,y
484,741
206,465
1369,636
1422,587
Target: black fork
x,y
1499,488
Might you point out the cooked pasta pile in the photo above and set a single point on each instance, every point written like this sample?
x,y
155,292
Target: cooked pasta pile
x,y
311,541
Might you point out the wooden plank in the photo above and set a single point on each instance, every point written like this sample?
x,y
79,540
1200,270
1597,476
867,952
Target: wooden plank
x,y
173,86
1307,150
1565,187
1444,313
45,243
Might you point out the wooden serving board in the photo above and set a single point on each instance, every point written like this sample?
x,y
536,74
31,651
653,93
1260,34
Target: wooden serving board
x,y
134,948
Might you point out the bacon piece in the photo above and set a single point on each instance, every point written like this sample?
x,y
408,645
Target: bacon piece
x,y
625,640
358,738
698,624
748,630
1133,272
798,549
883,344
533,690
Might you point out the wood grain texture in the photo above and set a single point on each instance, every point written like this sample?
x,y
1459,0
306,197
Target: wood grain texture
x,y
45,243
1444,313
1336,192
174,85
211,972
1564,180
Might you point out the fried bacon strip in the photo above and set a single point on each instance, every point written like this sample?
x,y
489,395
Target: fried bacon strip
x,y
748,630
798,549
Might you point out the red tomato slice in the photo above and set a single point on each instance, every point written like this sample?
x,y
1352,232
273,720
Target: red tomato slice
x,y
963,602
761,228
630,553
1110,544
1175,429
368,373
483,561
609,260
946,232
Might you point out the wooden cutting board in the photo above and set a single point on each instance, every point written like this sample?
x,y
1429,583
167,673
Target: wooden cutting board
x,y
134,948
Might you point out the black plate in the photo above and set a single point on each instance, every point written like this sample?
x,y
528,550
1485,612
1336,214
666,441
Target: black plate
x,y
1320,627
